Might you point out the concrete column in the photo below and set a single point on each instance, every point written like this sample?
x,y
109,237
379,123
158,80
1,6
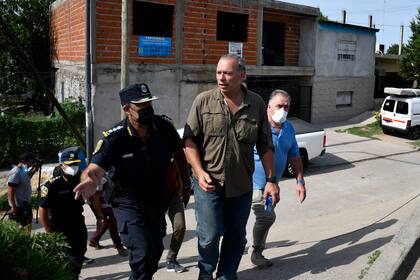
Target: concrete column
x,y
401,40
260,22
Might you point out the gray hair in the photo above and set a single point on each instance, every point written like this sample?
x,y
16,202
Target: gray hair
x,y
240,60
282,92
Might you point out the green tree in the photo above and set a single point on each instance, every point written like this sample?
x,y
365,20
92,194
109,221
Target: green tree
x,y
393,49
29,21
410,60
322,17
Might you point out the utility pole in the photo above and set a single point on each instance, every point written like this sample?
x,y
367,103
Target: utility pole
x,y
401,39
88,80
125,44
343,15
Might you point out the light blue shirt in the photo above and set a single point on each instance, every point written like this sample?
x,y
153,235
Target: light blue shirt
x,y
285,146
23,188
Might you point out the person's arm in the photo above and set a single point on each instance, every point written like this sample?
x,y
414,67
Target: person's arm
x,y
300,182
193,157
89,179
184,174
33,170
271,188
11,198
44,218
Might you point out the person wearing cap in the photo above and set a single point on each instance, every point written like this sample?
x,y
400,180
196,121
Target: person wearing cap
x,y
222,128
60,212
140,149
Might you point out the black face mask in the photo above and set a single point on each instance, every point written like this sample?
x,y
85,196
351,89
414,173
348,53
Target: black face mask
x,y
146,116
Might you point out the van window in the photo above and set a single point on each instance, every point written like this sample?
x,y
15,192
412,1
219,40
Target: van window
x,y
416,108
389,105
402,108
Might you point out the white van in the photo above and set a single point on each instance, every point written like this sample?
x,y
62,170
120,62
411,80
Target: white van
x,y
401,111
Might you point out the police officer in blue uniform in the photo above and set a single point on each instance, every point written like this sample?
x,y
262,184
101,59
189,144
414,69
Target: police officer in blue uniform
x,y
140,149
59,211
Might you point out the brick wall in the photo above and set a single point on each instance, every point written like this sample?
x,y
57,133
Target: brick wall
x,y
199,32
68,30
291,33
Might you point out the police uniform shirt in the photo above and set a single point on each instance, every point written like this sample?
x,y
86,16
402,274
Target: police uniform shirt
x,y
140,168
57,196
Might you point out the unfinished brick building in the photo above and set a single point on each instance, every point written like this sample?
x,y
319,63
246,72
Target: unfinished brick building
x,y
174,46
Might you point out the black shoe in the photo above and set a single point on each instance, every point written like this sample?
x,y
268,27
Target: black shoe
x,y
205,277
173,265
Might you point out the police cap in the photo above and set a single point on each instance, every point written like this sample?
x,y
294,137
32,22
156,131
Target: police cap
x,y
69,155
137,93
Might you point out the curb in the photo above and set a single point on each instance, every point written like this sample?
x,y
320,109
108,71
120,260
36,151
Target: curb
x,y
400,255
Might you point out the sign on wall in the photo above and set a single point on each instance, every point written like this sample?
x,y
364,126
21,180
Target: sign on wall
x,y
236,48
155,46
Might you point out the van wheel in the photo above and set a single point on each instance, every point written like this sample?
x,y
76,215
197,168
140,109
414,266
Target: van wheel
x,y
414,133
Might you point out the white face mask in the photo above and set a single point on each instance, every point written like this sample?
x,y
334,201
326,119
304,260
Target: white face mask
x,y
25,168
70,170
279,116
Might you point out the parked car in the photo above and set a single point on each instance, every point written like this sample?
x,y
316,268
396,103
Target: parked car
x,y
400,111
311,142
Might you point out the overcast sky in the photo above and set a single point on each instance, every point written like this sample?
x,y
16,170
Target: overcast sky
x,y
387,15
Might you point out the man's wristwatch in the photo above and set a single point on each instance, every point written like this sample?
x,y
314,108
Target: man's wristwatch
x,y
272,179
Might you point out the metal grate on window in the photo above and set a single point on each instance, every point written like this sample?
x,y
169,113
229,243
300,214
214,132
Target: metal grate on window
x,y
347,57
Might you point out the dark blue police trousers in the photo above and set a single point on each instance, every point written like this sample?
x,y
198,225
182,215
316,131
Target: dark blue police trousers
x,y
143,238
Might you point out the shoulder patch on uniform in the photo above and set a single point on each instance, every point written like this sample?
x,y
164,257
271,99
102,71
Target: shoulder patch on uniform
x,y
44,191
52,179
112,131
168,119
98,146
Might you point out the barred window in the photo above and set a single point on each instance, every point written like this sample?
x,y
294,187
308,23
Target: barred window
x,y
346,50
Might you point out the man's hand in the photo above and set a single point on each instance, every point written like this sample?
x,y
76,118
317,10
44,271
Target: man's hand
x,y
301,192
273,190
88,182
14,210
86,188
204,180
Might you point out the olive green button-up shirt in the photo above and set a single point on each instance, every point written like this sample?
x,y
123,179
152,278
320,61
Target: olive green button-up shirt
x,y
226,142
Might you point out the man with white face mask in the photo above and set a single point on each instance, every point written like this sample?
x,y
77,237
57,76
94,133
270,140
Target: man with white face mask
x,y
59,211
19,190
285,149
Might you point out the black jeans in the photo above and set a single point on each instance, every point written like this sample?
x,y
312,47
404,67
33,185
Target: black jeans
x,y
23,215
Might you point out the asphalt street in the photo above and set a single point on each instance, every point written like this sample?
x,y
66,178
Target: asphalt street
x,y
359,194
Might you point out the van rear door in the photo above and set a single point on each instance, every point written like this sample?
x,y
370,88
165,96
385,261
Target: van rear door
x,y
401,115
388,112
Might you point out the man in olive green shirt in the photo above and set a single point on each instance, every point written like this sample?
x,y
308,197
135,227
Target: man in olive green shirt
x,y
222,128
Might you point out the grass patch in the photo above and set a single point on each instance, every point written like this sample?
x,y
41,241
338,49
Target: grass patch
x,y
371,259
416,143
364,131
